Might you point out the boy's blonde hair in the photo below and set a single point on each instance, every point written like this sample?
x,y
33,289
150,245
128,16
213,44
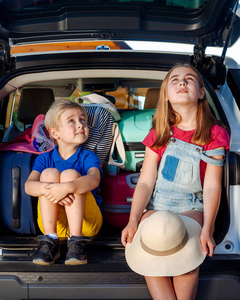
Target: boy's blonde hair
x,y
166,117
57,108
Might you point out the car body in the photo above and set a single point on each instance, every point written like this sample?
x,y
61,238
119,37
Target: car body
x,y
77,47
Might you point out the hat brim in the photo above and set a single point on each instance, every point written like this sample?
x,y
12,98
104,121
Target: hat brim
x,y
181,262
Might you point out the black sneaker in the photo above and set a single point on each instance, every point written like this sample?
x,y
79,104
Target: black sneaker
x,y
77,254
48,250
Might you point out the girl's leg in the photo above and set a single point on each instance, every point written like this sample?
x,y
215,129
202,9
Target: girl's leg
x,y
49,211
160,288
75,211
194,214
185,286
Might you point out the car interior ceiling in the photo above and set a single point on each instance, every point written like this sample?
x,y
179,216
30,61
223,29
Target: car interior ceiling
x,y
122,88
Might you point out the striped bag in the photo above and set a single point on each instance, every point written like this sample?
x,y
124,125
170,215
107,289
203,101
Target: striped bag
x,y
100,123
104,133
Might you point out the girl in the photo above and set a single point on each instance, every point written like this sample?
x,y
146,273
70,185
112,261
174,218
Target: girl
x,y
185,175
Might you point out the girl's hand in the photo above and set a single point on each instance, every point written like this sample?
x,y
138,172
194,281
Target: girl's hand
x,y
207,242
128,233
56,192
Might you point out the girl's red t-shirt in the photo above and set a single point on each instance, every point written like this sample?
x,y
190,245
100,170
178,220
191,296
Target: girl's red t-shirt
x,y
220,138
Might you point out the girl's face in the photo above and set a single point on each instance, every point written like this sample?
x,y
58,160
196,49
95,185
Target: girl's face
x,y
183,87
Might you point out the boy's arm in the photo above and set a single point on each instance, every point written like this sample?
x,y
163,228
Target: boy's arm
x,y
85,183
33,186
55,192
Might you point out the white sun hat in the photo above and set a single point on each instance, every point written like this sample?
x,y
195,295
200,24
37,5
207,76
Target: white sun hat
x,y
165,244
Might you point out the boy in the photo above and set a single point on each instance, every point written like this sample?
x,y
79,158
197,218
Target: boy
x,y
63,180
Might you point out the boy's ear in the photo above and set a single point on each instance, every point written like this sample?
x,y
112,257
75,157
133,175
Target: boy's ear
x,y
54,133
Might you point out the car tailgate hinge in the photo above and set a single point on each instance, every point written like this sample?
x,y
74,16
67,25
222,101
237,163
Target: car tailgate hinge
x,y
199,54
5,61
212,67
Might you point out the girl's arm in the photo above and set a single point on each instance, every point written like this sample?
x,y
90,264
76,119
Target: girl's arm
x,y
211,199
142,194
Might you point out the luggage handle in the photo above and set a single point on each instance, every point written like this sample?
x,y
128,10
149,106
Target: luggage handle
x,y
118,142
129,199
132,180
15,198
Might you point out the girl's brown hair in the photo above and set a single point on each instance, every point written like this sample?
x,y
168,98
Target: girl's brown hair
x,y
165,116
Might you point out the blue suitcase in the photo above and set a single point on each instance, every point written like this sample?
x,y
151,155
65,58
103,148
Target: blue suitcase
x,y
17,209
134,127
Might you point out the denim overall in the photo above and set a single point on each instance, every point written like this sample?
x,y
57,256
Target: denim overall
x,y
178,187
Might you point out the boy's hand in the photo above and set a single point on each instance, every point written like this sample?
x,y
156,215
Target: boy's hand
x,y
67,201
56,192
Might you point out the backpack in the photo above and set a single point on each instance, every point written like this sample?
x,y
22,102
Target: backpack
x,y
35,139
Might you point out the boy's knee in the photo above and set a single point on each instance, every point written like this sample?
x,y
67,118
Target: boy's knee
x,y
68,175
50,175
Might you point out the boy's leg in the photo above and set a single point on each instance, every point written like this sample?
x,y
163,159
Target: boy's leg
x,y
75,211
76,254
49,211
49,248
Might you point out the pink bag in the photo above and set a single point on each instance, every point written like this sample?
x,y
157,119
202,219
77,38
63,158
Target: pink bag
x,y
35,139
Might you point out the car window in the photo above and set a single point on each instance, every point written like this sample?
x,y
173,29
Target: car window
x,y
125,97
13,108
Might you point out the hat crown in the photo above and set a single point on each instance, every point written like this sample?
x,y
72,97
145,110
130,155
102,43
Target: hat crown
x,y
164,232
155,249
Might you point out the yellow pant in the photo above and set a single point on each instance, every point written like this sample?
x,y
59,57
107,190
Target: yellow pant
x,y
92,218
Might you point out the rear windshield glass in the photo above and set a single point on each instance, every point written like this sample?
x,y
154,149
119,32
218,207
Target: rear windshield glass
x,y
30,5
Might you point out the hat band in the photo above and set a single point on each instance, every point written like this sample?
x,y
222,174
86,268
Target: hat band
x,y
165,252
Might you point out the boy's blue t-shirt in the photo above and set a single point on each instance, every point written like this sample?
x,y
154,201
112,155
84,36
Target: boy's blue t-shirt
x,y
82,160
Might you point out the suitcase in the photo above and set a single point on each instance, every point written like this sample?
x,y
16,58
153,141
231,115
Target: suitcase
x,y
117,189
17,209
134,127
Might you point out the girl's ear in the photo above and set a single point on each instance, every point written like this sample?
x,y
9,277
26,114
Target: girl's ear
x,y
54,133
201,93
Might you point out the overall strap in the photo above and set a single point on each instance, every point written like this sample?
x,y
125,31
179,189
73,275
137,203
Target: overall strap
x,y
205,157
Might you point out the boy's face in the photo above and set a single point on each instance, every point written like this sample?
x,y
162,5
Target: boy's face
x,y
72,128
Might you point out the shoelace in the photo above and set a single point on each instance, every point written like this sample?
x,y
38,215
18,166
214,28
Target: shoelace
x,y
77,246
42,246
